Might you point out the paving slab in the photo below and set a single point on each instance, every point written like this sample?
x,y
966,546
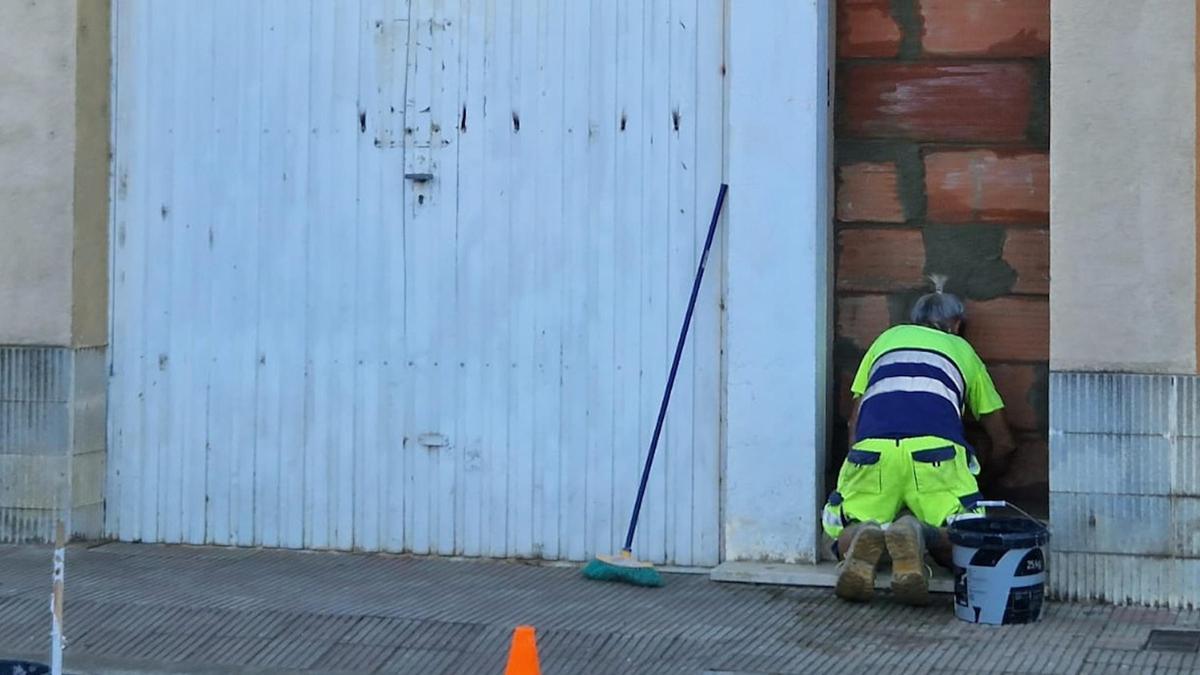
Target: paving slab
x,y
176,609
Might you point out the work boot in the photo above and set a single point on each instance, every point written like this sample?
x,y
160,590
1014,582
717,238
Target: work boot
x,y
906,546
856,576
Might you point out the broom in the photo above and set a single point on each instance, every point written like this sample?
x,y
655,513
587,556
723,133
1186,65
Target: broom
x,y
623,566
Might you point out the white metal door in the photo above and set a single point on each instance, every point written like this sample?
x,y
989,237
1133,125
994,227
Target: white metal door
x,y
312,350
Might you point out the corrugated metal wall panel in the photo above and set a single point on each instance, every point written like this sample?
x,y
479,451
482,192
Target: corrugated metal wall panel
x,y
1111,403
310,351
34,390
51,440
1124,485
34,374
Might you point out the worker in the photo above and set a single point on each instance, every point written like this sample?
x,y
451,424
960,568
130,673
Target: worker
x,y
908,450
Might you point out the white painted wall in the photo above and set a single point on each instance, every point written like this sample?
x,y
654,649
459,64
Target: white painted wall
x,y
54,128
778,279
1123,173
309,351
37,159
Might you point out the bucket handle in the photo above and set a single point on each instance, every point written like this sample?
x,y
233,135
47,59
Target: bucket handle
x,y
1001,504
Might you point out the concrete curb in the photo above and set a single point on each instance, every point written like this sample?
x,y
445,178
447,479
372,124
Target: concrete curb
x,y
822,575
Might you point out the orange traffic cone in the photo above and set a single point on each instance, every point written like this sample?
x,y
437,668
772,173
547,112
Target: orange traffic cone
x,y
523,656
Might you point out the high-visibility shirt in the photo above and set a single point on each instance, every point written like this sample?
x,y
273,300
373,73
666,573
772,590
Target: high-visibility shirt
x,y
916,381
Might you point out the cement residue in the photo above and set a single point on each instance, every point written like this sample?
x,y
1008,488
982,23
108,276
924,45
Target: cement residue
x,y
972,257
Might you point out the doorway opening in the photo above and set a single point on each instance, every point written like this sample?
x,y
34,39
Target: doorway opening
x,y
954,181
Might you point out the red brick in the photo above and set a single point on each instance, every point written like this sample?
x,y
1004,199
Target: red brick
x,y
1028,252
880,260
1031,463
861,318
866,29
1010,329
936,102
869,191
996,28
986,186
1014,382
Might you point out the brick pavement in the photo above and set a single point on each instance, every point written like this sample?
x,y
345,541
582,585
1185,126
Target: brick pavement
x,y
140,609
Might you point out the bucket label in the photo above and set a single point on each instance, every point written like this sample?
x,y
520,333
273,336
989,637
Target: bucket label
x,y
961,594
1024,604
1033,563
999,586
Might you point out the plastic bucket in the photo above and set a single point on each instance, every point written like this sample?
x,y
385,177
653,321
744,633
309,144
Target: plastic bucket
x,y
23,668
999,569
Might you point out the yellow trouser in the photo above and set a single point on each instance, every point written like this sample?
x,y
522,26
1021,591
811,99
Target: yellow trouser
x,y
931,476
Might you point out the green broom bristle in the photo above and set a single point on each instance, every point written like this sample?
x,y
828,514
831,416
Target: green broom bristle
x,y
641,575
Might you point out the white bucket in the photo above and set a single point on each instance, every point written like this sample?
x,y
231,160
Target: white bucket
x,y
999,569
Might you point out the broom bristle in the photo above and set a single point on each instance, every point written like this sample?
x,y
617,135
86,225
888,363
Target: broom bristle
x,y
638,574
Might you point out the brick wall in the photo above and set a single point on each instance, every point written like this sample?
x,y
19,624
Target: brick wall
x,y
942,140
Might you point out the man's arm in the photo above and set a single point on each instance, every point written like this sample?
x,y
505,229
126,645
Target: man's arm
x,y
1003,446
853,421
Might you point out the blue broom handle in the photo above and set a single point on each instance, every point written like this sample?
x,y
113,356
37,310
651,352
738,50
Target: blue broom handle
x,y
683,332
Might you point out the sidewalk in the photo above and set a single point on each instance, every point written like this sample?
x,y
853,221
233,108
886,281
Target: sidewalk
x,y
133,608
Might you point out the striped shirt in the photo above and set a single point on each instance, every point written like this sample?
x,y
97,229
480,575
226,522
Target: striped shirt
x,y
918,381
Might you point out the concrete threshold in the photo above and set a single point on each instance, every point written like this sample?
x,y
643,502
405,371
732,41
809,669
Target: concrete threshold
x,y
821,575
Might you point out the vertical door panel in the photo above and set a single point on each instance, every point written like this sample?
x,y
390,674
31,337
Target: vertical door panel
x,y
407,275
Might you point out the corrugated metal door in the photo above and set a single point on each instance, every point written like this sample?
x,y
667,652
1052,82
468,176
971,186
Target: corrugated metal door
x,y
312,350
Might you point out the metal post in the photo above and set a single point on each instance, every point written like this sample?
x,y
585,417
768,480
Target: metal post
x,y
56,600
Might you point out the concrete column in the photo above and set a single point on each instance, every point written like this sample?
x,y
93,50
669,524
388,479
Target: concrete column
x,y
1124,394
777,335
54,131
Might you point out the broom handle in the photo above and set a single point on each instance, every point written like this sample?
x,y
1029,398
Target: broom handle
x,y
666,399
